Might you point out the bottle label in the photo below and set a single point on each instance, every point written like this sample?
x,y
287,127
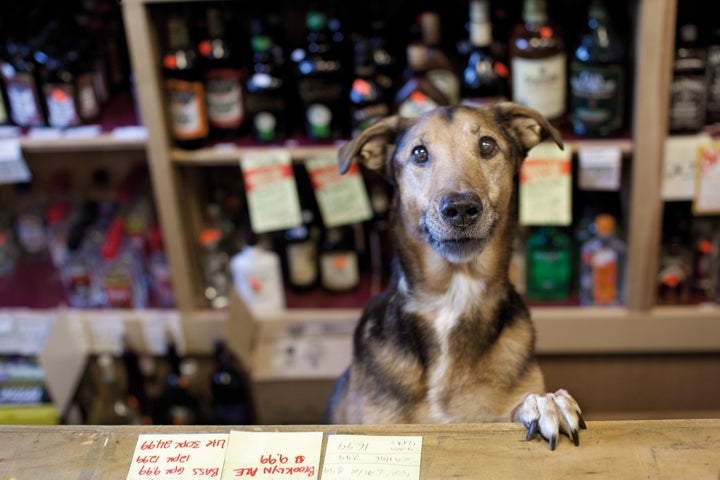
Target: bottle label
x,y
549,273
118,292
79,285
302,267
713,89
61,107
319,117
23,99
605,276
339,270
541,84
596,98
265,126
224,98
687,103
416,104
88,102
188,117
447,82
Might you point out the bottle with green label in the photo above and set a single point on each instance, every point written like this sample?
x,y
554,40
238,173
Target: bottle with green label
x,y
549,264
597,77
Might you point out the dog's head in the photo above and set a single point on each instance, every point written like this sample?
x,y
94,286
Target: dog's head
x,y
452,169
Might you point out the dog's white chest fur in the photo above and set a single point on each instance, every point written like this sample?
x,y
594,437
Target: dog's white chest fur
x,y
446,310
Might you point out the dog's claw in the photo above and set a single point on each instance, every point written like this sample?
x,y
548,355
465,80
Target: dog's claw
x,y
532,429
581,421
552,441
575,437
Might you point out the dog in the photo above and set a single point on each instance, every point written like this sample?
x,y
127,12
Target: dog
x,y
450,339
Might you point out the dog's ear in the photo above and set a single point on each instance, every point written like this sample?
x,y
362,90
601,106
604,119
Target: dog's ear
x,y
371,147
526,125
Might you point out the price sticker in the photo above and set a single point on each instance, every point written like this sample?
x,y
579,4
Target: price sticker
x,y
271,191
546,186
343,199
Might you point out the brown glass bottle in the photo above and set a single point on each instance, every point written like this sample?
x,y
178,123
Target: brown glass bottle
x,y
538,62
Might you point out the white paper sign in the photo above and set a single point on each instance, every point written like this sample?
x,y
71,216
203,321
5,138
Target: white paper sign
x,y
271,191
342,199
273,455
679,165
599,168
349,457
188,456
13,168
546,186
707,190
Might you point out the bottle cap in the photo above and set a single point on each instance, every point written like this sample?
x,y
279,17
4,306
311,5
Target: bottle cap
x,y
210,235
605,224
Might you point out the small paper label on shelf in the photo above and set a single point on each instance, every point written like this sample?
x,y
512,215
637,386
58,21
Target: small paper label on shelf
x,y
273,455
342,199
13,168
372,457
271,191
707,194
45,133
599,168
132,132
546,186
679,165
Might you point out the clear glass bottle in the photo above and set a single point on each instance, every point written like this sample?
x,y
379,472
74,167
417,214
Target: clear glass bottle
x,y
485,78
597,77
549,264
214,263
538,62
602,265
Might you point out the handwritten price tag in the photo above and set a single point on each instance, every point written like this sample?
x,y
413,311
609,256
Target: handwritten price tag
x,y
178,457
271,191
680,165
546,186
349,457
342,199
273,455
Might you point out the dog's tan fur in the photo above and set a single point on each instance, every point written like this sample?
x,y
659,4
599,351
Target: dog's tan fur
x,y
450,340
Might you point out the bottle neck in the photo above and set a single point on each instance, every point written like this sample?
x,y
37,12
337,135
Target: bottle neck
x,y
535,11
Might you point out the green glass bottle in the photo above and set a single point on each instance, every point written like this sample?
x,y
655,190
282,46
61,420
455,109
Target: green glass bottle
x,y
549,264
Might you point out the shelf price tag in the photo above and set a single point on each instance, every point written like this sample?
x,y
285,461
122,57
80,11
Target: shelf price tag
x,y
372,457
546,186
599,168
680,165
342,199
271,191
273,455
707,194
178,456
13,168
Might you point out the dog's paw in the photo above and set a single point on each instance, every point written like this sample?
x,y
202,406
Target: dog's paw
x,y
550,415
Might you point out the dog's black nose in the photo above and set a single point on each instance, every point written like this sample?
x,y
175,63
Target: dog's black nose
x,y
460,209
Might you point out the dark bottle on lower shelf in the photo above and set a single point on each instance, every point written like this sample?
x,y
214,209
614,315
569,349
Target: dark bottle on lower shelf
x,y
230,387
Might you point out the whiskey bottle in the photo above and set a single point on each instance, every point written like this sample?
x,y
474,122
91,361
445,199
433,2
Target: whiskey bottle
x,y
688,90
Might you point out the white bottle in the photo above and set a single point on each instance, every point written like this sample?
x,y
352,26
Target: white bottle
x,y
257,276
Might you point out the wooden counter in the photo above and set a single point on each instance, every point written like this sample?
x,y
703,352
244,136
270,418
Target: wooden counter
x,y
658,449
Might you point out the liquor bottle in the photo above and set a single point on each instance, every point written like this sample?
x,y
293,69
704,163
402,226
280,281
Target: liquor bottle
x,y
185,93
319,71
301,253
177,404
538,62
267,101
485,78
673,279
59,93
688,90
418,94
713,79
136,396
110,406
384,58
368,103
339,266
257,276
87,97
597,77
702,259
549,264
117,278
224,80
20,75
230,389
602,265
159,270
215,271
440,69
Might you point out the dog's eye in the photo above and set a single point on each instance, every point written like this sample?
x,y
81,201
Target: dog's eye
x,y
419,154
488,147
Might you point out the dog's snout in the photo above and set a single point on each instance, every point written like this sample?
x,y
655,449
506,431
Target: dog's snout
x,y
460,209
